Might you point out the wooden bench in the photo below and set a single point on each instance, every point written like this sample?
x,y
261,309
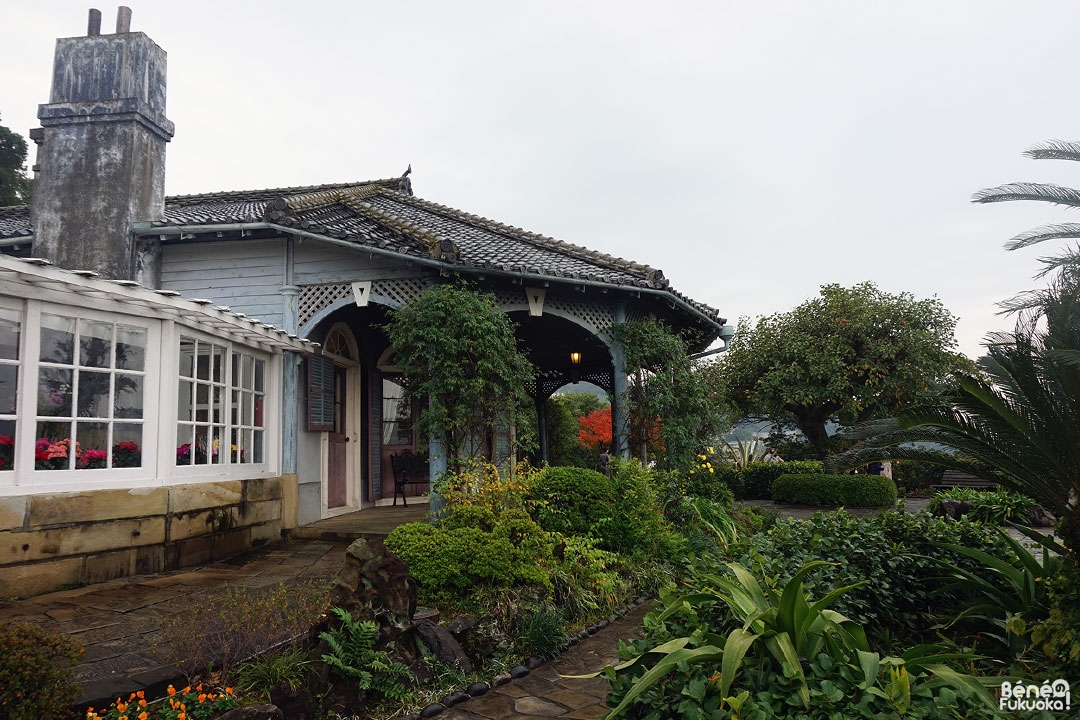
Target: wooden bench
x,y
409,469
956,479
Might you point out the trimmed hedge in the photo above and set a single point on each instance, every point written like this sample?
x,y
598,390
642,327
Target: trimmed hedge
x,y
846,490
571,500
756,479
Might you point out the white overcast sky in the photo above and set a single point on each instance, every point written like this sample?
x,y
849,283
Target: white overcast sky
x,y
753,150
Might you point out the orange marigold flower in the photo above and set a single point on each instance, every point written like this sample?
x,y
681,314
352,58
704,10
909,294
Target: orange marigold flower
x,y
120,706
187,689
228,691
142,703
181,716
143,715
199,687
141,694
131,697
202,697
172,690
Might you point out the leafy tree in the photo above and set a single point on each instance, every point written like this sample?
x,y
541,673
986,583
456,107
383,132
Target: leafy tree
x,y
672,412
595,430
581,404
562,434
848,355
457,349
14,185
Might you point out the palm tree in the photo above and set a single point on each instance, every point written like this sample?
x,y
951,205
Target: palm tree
x,y
1043,192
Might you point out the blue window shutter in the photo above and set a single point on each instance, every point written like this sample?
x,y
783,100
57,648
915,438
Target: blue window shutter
x,y
320,416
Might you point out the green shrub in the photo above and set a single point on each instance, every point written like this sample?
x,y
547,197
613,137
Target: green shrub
x,y
36,672
845,490
542,632
887,552
450,563
571,500
915,475
997,507
1059,635
721,483
757,478
473,516
637,525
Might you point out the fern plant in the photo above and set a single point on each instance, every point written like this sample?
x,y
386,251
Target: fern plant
x,y
353,656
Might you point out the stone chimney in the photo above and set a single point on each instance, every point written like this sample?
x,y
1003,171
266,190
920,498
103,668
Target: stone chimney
x,y
101,150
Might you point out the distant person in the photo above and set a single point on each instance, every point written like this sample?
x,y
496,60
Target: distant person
x,y
605,460
771,456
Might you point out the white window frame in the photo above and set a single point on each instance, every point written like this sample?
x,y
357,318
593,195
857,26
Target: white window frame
x,y
271,429
25,476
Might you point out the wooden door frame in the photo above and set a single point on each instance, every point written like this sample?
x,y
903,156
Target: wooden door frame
x,y
353,408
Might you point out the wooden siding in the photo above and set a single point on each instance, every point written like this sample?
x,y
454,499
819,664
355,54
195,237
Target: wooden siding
x,y
316,263
245,276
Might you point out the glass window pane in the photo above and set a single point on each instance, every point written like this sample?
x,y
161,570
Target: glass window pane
x,y
57,339
131,348
235,375
95,344
260,370
127,445
128,396
202,364
257,447
91,448
7,445
234,408
202,402
187,357
54,392
184,444
94,394
245,408
258,410
216,456
217,405
9,383
245,446
185,400
52,449
249,372
201,444
9,334
219,364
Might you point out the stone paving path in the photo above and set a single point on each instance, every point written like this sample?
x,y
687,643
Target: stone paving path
x,y
545,693
118,622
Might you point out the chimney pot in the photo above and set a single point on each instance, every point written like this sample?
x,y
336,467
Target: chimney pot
x,y
93,27
123,19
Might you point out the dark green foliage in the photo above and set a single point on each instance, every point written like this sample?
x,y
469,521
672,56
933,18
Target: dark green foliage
x,y
542,632
451,563
723,484
457,349
915,475
353,656
1059,635
14,185
36,679
884,551
666,389
572,501
637,525
845,490
563,430
259,676
728,646
997,507
757,478
848,355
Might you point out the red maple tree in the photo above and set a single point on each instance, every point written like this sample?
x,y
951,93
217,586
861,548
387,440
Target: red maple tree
x,y
595,428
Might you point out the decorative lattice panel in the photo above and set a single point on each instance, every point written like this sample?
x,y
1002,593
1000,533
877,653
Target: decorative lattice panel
x,y
597,316
398,292
314,298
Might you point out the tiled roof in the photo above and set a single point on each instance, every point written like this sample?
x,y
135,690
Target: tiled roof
x,y
384,214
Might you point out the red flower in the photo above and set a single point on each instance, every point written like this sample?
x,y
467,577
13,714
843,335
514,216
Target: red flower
x,y
843,322
6,440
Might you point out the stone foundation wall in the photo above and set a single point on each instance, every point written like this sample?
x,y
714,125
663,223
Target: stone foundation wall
x,y
51,540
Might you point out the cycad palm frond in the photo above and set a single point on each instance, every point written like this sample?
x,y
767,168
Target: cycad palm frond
x,y
1045,192
1054,150
1041,234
